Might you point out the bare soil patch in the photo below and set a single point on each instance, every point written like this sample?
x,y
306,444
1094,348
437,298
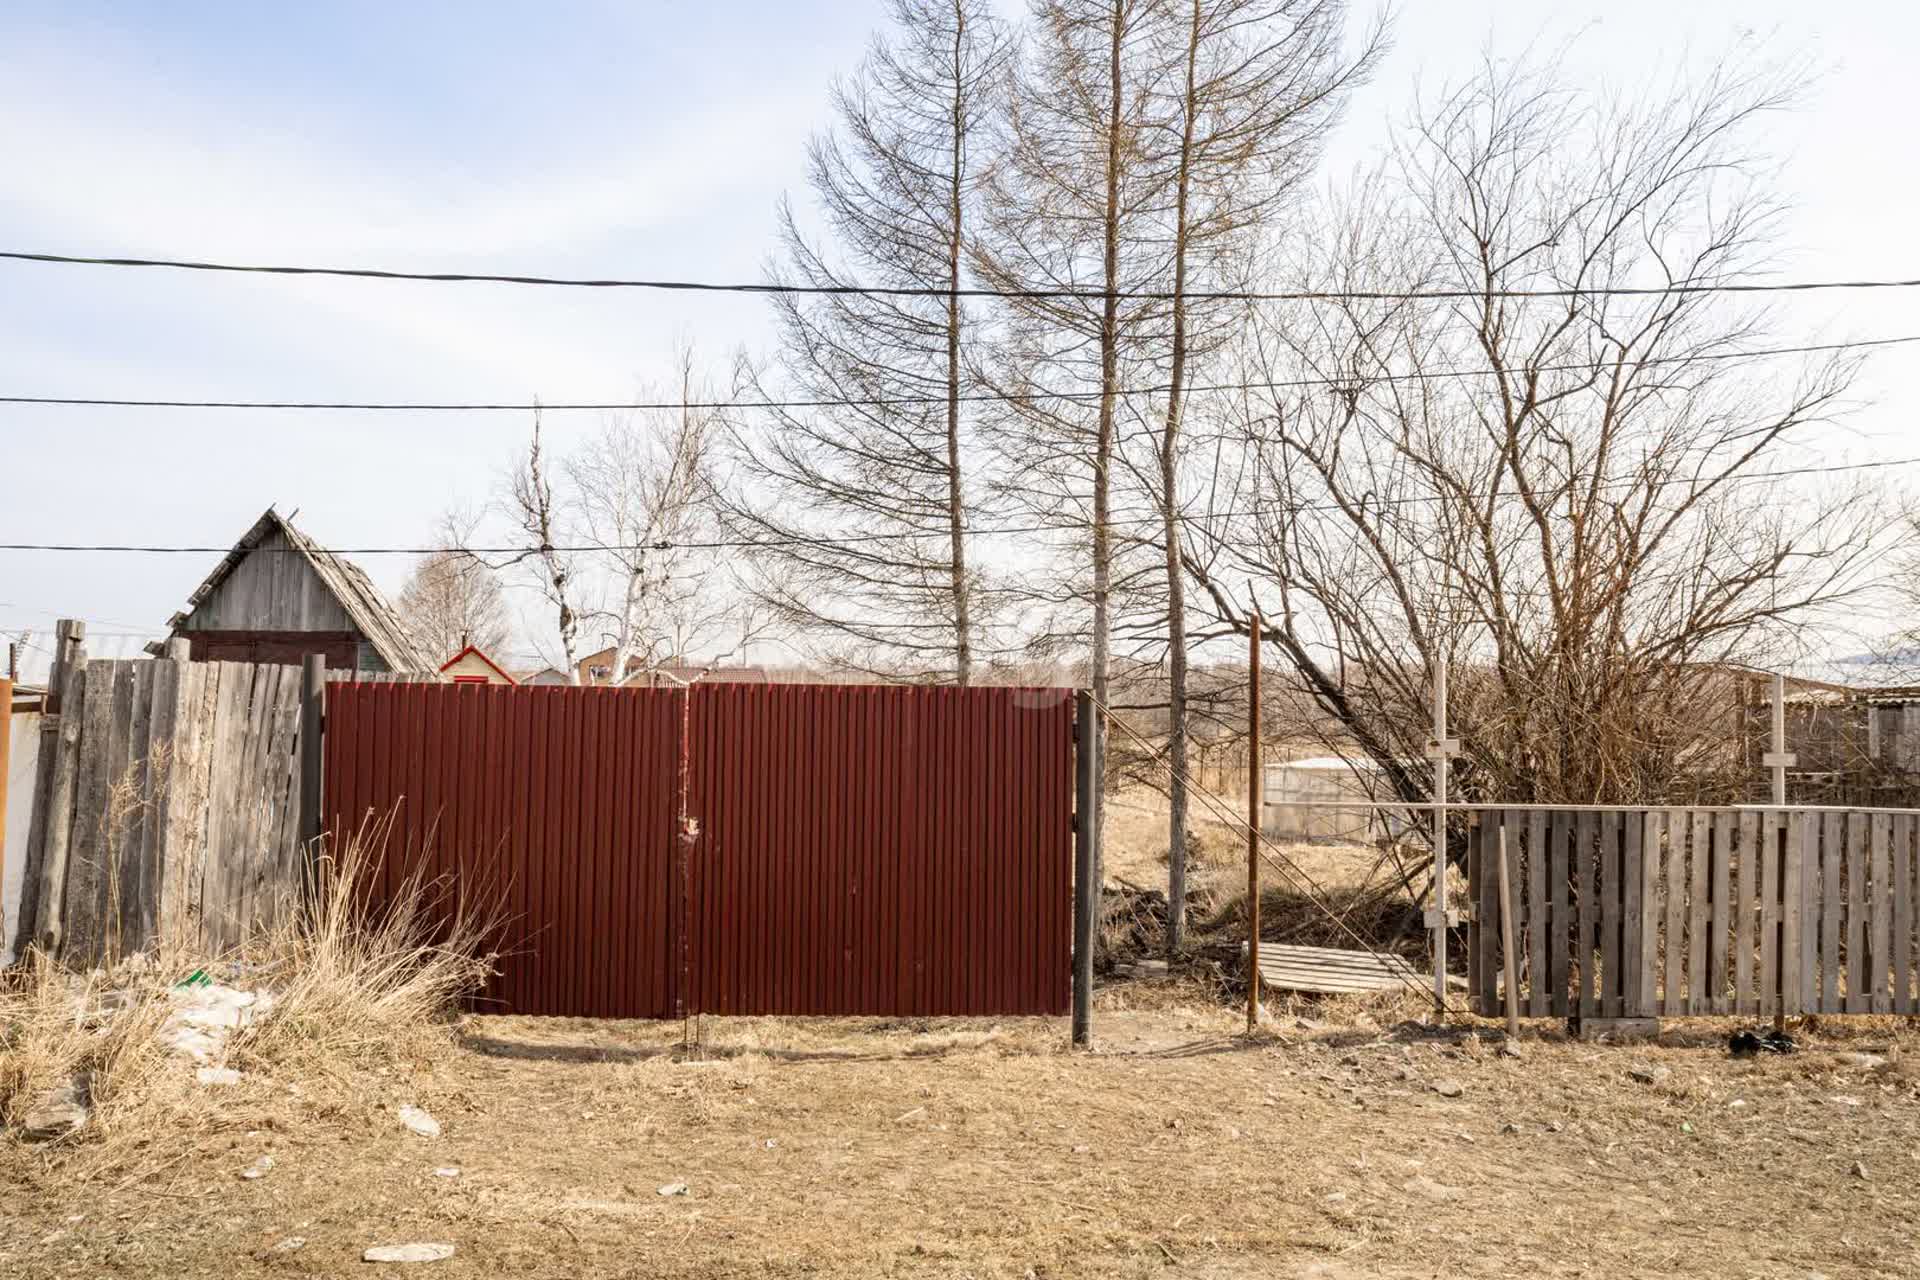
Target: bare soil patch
x,y
1357,1146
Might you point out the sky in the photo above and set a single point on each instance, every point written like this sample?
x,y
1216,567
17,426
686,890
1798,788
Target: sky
x,y
648,138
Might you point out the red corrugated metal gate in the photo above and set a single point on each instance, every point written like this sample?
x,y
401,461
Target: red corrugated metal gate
x,y
738,849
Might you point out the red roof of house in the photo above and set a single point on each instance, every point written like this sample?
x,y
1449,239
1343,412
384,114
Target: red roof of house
x,y
475,651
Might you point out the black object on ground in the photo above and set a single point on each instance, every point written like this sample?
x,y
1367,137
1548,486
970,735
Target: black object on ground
x,y
1747,1044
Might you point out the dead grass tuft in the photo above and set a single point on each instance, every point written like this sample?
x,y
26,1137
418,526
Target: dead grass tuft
x,y
352,982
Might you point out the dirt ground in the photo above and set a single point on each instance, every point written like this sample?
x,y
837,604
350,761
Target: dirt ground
x,y
1355,1145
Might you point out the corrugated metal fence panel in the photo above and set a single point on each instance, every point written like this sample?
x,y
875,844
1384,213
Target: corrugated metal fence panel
x,y
845,849
553,800
881,850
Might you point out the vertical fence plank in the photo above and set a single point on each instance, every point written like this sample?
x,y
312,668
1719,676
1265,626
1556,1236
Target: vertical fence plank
x,y
1880,914
1746,911
1832,856
1720,916
1770,911
1559,916
1809,909
1903,914
1673,1000
1586,924
1856,825
1539,919
1640,935
1487,911
1612,891
1699,998
1792,879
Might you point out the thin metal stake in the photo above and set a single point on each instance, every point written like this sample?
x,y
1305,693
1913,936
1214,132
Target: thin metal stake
x,y
1254,791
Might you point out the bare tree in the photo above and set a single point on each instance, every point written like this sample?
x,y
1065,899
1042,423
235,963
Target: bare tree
x,y
536,521
1072,200
1256,87
639,489
1567,493
453,599
897,185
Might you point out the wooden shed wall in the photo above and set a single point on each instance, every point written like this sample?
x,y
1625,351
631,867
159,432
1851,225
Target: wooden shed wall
x,y
273,588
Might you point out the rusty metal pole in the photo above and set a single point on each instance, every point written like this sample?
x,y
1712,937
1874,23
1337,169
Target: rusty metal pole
x,y
1254,792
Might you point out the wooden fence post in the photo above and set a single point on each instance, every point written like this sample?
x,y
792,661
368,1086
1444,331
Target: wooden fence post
x,y
1442,749
53,814
313,686
1086,838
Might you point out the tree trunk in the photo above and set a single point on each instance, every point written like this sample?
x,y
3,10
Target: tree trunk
x,y
1170,532
1103,448
956,510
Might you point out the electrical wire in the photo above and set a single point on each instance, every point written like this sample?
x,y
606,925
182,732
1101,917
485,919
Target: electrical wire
x,y
923,291
750,544
1357,382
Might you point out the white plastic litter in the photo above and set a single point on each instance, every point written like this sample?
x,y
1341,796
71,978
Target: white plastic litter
x,y
408,1253
203,1018
209,1076
419,1121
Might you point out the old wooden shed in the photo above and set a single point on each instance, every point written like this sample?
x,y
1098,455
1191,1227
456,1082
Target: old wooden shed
x,y
279,595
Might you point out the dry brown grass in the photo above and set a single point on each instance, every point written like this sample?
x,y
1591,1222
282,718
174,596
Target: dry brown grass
x,y
355,990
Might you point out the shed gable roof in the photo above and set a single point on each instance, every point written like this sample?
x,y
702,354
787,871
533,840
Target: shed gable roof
x,y
373,616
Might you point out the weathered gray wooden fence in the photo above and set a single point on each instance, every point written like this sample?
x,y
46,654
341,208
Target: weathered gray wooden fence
x,y
167,804
1639,913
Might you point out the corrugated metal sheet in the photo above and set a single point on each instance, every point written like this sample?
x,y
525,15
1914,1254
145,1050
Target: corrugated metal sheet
x,y
554,799
786,849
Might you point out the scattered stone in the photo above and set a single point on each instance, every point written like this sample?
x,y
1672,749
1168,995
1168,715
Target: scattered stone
x,y
1508,1049
408,1253
1426,1187
292,1244
1449,1088
1308,1024
675,1189
1648,1075
58,1112
447,1171
258,1169
1554,1126
418,1121
210,1076
1083,1150
1859,1170
1509,1128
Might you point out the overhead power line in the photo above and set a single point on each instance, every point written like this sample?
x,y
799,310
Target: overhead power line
x,y
829,540
918,291
1356,381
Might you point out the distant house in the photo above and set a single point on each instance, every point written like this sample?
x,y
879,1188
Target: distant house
x,y
545,675
471,666
279,596
597,668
